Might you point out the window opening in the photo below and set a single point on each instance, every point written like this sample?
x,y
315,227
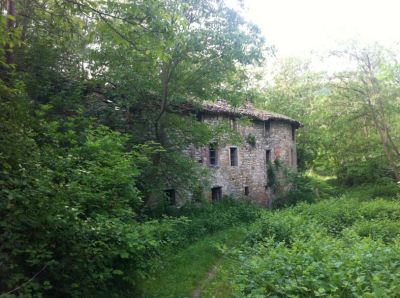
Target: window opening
x,y
267,127
292,157
234,156
216,193
233,123
213,154
246,190
268,155
199,117
170,195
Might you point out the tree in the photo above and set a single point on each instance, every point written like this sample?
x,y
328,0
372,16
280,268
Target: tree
x,y
297,91
372,86
179,50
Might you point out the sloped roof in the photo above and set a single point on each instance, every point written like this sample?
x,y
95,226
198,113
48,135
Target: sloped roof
x,y
247,109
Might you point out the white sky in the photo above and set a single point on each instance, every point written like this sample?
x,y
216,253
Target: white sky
x,y
301,27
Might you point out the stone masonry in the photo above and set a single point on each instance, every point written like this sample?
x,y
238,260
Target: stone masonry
x,y
245,173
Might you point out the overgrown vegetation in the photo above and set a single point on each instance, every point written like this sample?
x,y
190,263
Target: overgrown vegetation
x,y
350,117
186,271
91,134
342,248
88,94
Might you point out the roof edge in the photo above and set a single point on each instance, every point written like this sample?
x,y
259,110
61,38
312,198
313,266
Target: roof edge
x,y
247,109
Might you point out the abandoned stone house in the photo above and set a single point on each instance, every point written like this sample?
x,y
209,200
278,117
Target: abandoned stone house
x,y
240,170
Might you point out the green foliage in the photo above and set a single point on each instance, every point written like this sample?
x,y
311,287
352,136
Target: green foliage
x,y
295,90
208,218
289,187
378,229
186,269
369,172
339,248
77,203
299,189
350,118
272,174
251,139
89,136
68,217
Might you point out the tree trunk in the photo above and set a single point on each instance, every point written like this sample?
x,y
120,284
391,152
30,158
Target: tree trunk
x,y
382,128
11,14
166,73
379,117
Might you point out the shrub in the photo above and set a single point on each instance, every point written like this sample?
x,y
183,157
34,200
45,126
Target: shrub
x,y
335,248
282,226
69,222
208,218
288,186
381,229
319,266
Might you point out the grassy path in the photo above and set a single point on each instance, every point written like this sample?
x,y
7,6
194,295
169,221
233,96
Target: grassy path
x,y
210,276
191,271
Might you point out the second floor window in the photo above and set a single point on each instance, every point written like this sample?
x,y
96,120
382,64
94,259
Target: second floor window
x,y
213,154
216,193
267,128
234,156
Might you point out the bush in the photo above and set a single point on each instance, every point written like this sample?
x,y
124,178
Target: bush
x,y
373,171
67,220
207,218
300,190
334,215
335,248
366,192
382,229
319,266
282,226
288,186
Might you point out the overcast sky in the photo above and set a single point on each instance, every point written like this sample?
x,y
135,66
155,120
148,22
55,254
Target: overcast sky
x,y
298,27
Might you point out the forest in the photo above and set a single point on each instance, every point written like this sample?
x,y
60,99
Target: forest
x,y
89,135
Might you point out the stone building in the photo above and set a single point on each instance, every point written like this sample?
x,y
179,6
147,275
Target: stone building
x,y
240,170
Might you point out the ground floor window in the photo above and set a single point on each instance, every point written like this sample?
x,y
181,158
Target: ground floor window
x,y
246,190
170,196
268,155
216,193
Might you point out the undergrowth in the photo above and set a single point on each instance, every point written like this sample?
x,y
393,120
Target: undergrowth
x,y
343,247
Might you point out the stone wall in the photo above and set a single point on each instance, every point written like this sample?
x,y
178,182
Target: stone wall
x,y
250,171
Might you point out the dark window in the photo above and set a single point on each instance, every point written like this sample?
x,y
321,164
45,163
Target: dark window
x,y
234,156
246,190
292,157
213,154
233,123
200,161
170,194
268,155
199,117
216,193
293,133
267,127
